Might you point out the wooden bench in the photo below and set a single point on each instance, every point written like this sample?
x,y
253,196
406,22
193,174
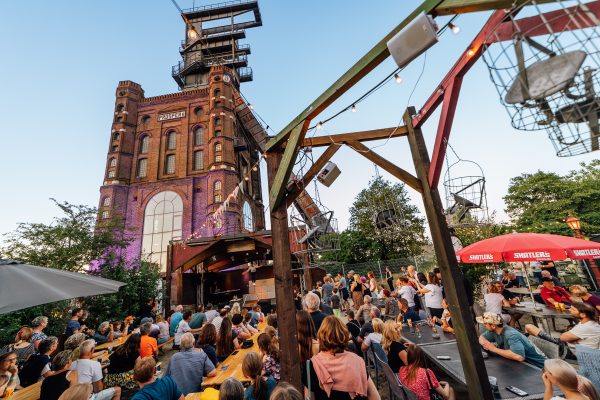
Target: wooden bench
x,y
171,340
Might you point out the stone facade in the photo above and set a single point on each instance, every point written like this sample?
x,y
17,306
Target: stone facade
x,y
167,132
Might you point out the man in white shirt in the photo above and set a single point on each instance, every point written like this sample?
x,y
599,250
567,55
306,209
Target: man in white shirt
x,y
210,313
183,327
219,319
90,371
407,291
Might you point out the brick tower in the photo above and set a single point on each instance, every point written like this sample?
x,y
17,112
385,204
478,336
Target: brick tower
x,y
173,159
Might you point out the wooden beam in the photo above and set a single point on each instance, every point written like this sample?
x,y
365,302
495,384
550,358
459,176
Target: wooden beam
x,y
279,186
362,67
452,277
282,269
361,136
298,185
390,167
451,7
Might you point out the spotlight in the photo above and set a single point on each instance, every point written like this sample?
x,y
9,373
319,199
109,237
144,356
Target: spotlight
x,y
192,33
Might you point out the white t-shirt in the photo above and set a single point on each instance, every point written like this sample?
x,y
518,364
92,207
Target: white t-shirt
x,y
372,337
88,371
182,328
408,293
589,333
433,298
211,314
493,302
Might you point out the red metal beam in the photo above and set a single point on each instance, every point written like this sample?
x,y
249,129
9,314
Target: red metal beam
x,y
571,18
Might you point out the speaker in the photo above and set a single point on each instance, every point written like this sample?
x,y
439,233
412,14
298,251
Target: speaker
x,y
328,174
416,37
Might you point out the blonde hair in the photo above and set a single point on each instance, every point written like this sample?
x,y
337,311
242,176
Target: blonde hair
x,y
564,374
578,290
25,334
390,334
587,388
77,392
377,325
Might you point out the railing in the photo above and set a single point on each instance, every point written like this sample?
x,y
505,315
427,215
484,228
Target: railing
x,y
214,6
209,61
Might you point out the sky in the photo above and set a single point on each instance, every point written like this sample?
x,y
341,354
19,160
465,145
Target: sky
x,y
62,61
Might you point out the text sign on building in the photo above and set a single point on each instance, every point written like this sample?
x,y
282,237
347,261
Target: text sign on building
x,y
171,115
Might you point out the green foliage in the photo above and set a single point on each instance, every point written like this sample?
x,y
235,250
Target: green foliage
x,y
540,202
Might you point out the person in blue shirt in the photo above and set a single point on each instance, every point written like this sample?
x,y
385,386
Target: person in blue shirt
x,y
506,341
261,386
407,312
73,325
152,388
176,319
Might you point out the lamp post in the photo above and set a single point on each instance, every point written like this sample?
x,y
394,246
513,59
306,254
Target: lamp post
x,y
575,224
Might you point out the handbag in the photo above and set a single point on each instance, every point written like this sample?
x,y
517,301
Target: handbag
x,y
432,392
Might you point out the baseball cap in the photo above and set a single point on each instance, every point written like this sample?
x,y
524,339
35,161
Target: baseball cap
x,y
490,318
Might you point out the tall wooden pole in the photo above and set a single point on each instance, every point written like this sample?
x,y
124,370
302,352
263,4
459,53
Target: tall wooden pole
x,y
462,319
284,286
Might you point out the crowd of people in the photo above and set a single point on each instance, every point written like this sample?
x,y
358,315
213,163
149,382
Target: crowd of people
x,y
337,323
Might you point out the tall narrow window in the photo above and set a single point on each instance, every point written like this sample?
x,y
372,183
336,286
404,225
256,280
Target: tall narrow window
x,y
171,140
198,136
106,202
217,133
116,136
114,148
217,104
144,144
170,164
217,121
105,214
217,92
141,168
120,107
217,192
111,173
248,218
112,162
198,160
218,152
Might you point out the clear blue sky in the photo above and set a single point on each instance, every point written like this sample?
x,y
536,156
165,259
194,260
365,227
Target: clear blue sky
x,y
63,59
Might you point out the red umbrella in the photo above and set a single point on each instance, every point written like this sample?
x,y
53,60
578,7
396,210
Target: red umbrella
x,y
524,247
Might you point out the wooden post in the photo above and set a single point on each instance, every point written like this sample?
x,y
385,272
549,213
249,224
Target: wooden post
x,y
284,287
452,277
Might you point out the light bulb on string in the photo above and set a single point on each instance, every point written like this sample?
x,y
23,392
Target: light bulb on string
x,y
398,78
354,108
255,168
319,126
250,106
454,28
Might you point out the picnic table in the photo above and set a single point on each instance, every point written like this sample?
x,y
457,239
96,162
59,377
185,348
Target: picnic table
x,y
507,372
31,392
539,313
115,343
426,337
232,365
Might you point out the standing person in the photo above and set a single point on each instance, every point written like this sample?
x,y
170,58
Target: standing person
x,y
582,293
391,305
519,269
537,271
343,290
389,277
147,310
39,324
152,388
260,386
372,283
176,319
207,341
73,325
90,371
561,374
327,290
433,294
335,303
407,291
38,364
357,289
312,303
336,373
188,367
411,271
420,379
122,362
61,379
550,267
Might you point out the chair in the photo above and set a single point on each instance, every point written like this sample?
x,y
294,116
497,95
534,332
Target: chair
x,y
589,363
549,349
397,390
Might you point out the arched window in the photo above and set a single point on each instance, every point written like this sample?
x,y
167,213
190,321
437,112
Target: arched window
x,y
115,148
217,92
120,107
248,218
162,224
171,140
142,168
106,202
218,152
217,121
144,144
198,136
198,160
217,192
112,162
116,136
170,164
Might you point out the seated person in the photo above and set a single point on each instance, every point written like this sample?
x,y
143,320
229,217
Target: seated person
x,y
375,336
512,281
506,341
407,312
353,325
38,364
148,344
62,377
585,333
547,274
582,293
552,294
494,301
446,320
105,333
368,327
239,330
512,300
152,388
183,327
90,371
188,367
122,362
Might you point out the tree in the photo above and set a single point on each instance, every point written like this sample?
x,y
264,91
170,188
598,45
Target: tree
x,y
403,238
540,202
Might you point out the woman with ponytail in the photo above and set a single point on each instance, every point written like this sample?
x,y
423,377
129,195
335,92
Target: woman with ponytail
x,y
269,348
260,386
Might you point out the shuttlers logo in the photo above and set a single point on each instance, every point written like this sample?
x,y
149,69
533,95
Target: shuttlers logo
x,y
587,252
533,254
481,257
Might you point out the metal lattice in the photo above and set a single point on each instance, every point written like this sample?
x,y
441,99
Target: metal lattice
x,y
545,63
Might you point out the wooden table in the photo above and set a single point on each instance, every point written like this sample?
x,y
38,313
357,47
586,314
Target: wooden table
x,y
542,314
31,392
426,337
232,365
114,343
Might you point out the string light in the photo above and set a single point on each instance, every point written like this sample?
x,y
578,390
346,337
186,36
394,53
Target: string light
x,y
398,78
353,107
454,28
250,106
320,126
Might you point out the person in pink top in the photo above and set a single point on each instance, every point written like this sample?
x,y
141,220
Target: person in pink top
x,y
420,379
